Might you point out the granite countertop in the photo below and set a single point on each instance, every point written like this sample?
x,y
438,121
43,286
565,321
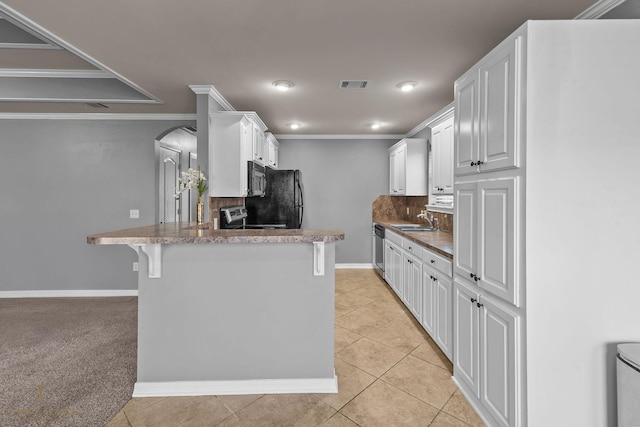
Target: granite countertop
x,y
438,241
174,233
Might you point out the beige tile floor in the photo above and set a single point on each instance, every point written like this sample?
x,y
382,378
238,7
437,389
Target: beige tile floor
x,y
390,373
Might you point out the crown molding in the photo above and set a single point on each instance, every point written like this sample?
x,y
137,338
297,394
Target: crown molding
x,y
213,93
96,116
251,115
438,117
73,74
335,136
28,46
599,8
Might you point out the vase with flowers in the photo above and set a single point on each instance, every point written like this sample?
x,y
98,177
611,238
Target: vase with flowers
x,y
194,179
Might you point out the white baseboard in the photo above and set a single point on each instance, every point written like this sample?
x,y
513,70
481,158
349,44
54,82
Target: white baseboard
x,y
70,293
208,388
347,265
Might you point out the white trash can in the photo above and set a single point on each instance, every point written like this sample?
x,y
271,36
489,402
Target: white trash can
x,y
628,372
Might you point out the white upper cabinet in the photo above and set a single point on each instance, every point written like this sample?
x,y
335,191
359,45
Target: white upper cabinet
x,y
259,143
442,155
272,150
466,152
232,136
488,122
408,168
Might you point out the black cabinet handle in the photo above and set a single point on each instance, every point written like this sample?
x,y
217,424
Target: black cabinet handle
x,y
472,275
409,261
476,278
473,163
433,261
479,305
479,163
473,300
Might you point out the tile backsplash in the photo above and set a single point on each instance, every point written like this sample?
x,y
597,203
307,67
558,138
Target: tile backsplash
x,y
406,208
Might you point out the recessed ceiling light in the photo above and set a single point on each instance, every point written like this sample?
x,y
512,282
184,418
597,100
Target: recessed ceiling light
x,y
294,126
407,86
374,126
283,85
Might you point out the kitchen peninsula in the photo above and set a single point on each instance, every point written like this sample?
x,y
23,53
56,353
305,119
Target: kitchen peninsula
x,y
233,311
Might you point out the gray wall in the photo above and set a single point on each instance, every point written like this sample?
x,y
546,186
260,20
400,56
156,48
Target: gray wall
x,y
341,179
59,182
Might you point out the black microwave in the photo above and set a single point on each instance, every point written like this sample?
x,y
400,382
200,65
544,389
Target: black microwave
x,y
257,179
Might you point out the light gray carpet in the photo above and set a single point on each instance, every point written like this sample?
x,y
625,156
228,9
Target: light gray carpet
x,y
66,361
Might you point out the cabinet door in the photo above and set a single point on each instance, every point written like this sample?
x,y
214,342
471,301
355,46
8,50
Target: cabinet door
x,y
444,314
442,152
496,251
500,383
465,229
466,337
272,154
397,170
446,158
393,267
466,123
436,154
407,282
393,190
415,278
258,145
396,255
400,170
388,259
499,106
428,300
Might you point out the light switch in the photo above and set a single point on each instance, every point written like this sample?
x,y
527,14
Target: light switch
x,y
134,214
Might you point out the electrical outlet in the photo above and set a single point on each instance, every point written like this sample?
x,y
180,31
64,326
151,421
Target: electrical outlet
x,y
134,214
407,211
135,266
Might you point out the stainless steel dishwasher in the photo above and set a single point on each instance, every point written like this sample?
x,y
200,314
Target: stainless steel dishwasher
x,y
378,248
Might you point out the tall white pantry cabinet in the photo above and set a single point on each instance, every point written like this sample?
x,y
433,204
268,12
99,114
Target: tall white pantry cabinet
x,y
547,228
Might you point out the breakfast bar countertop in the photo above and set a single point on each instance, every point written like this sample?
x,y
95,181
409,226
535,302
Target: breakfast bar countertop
x,y
175,233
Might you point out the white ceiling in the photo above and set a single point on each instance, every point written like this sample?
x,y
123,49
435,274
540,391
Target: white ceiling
x,y
240,47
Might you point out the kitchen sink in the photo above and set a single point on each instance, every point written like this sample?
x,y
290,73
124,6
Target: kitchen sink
x,y
412,227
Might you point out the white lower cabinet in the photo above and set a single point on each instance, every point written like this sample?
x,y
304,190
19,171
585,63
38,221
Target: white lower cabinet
x,y
422,280
485,362
393,266
437,308
412,283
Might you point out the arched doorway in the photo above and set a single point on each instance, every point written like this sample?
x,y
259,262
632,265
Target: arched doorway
x,y
176,151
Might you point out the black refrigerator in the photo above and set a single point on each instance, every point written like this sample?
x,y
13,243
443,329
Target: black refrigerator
x,y
282,203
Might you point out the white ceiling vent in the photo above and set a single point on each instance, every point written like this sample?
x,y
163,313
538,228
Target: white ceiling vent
x,y
354,84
